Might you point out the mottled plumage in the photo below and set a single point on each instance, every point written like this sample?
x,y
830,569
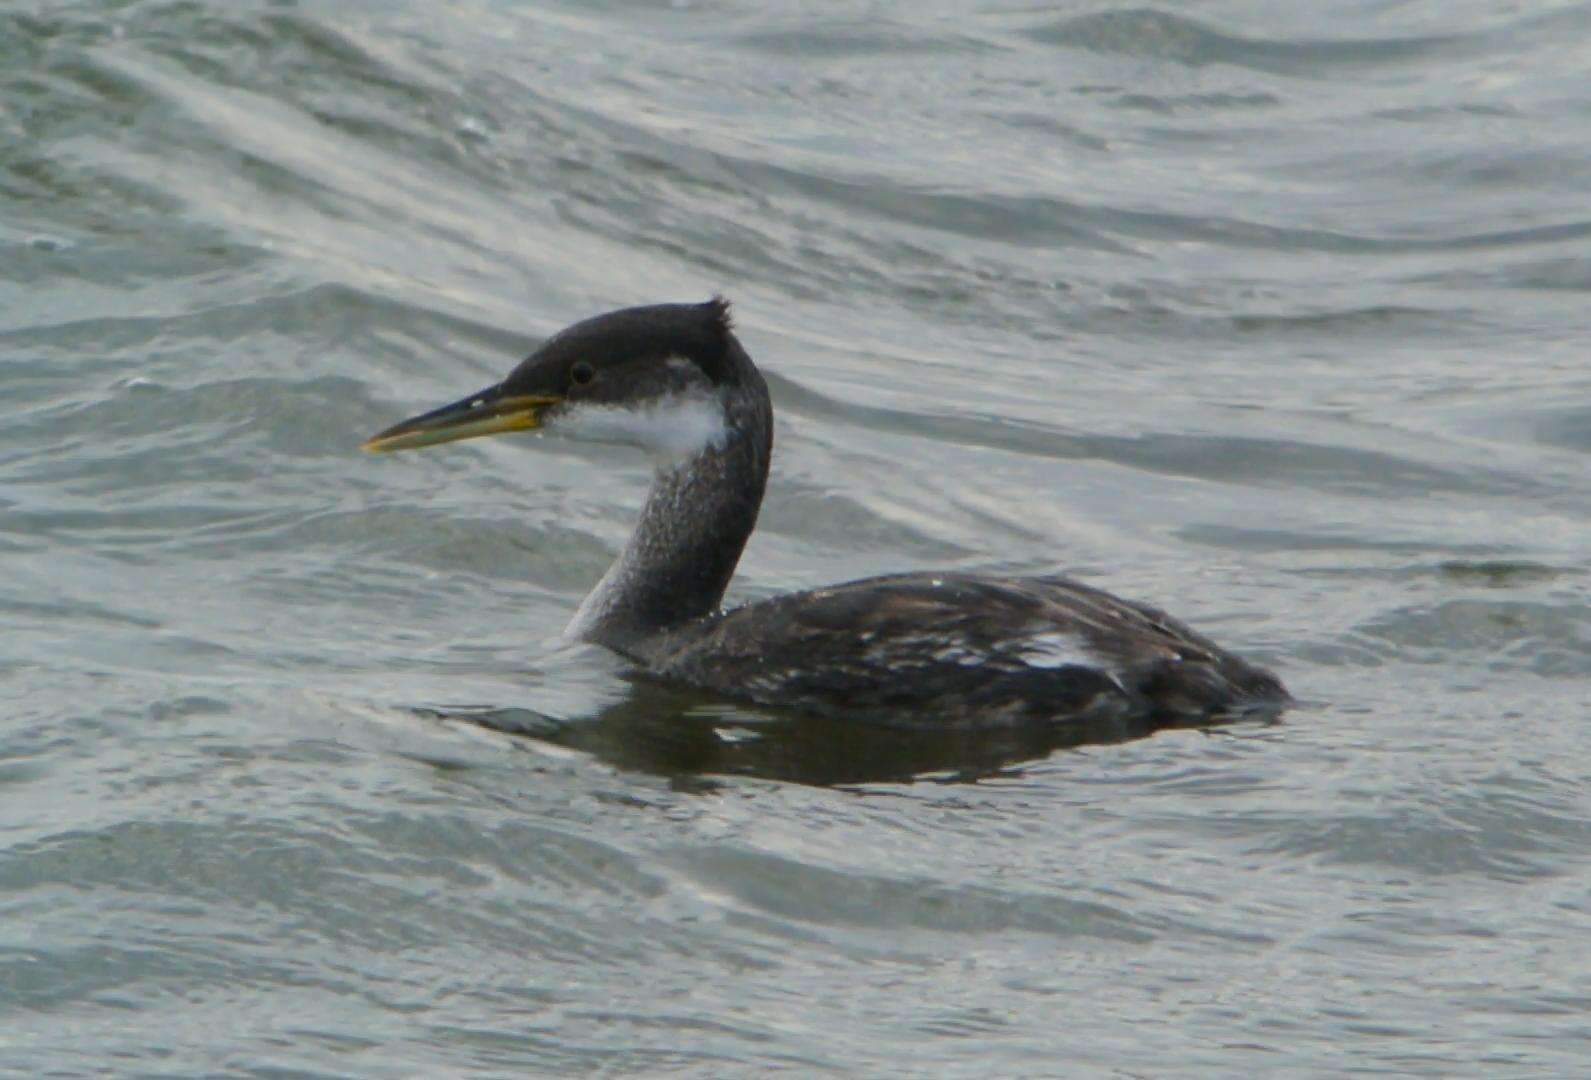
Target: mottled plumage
x,y
962,649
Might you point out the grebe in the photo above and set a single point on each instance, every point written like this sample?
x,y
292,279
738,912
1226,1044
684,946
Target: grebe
x,y
919,649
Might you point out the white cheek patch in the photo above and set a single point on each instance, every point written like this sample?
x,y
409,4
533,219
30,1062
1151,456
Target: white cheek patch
x,y
670,428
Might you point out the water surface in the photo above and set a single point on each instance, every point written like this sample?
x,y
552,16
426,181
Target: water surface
x,y
1275,317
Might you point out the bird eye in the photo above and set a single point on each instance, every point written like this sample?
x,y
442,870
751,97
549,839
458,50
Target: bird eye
x,y
582,373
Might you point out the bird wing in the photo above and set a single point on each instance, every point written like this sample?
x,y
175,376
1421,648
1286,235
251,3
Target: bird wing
x,y
960,642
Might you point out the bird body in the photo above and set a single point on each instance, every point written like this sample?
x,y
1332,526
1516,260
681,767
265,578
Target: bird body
x,y
921,649
960,649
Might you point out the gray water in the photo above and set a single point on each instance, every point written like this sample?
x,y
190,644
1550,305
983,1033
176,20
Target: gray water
x,y
1273,314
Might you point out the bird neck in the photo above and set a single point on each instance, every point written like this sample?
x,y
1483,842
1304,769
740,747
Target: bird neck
x,y
698,515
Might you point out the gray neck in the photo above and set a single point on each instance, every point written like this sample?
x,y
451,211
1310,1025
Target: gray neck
x,y
696,520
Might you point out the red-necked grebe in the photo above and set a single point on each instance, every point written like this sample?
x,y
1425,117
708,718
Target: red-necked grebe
x,y
957,649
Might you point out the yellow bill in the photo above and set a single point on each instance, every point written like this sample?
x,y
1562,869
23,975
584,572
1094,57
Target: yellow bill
x,y
486,413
